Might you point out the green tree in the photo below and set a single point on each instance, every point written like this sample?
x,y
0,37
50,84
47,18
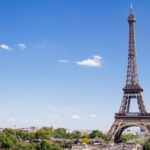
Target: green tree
x,y
30,136
60,133
30,146
56,147
44,133
85,135
20,134
98,134
9,131
44,145
7,141
146,145
76,135
20,146
25,146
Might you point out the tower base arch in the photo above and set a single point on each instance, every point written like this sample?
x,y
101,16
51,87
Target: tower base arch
x,y
123,122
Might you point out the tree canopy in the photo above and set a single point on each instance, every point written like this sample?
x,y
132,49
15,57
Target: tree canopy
x,y
13,139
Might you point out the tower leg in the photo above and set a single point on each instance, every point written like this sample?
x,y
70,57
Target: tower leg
x,y
124,108
141,105
113,131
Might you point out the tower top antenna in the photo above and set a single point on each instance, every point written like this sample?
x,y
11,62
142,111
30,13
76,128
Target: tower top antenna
x,y
131,7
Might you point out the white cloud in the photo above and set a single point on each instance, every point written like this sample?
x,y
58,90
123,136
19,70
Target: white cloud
x,y
93,115
94,62
22,46
63,61
75,117
5,47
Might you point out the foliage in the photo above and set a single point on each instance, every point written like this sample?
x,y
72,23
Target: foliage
x,y
7,141
76,135
25,146
66,145
85,140
129,137
30,136
85,135
46,145
44,133
56,147
98,134
146,145
13,139
60,133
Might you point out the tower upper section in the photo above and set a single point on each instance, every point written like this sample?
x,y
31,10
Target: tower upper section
x,y
132,79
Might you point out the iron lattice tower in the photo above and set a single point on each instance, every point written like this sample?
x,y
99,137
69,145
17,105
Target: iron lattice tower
x,y
124,118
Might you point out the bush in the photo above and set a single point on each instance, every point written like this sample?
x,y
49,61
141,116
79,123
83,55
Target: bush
x,y
125,138
85,140
146,145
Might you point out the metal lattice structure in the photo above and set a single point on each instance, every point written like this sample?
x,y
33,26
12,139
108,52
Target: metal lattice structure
x,y
124,118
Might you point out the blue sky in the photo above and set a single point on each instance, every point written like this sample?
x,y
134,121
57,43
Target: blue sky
x,y
45,46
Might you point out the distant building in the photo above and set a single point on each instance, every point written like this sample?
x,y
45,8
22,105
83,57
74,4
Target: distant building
x,y
30,129
1,129
53,126
130,132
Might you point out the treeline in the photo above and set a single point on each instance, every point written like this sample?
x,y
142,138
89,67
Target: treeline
x,y
13,139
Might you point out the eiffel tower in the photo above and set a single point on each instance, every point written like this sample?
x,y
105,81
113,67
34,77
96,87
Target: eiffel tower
x,y
124,118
